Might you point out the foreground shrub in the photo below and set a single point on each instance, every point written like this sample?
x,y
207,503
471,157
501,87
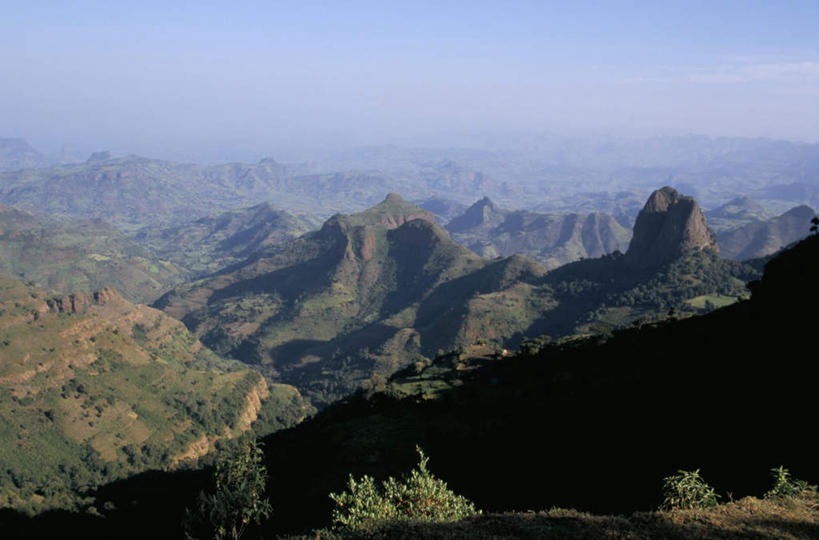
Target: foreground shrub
x,y
687,489
785,486
419,496
237,501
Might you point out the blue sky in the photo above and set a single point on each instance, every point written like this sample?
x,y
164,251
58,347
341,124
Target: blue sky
x,y
154,77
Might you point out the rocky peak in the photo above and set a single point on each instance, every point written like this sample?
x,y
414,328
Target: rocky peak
x,y
483,213
669,225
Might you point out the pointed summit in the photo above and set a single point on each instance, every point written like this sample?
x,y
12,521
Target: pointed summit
x,y
484,213
669,225
392,212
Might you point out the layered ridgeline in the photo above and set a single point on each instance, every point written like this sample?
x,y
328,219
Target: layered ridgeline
x,y
764,237
372,292
550,239
81,256
95,388
132,191
211,243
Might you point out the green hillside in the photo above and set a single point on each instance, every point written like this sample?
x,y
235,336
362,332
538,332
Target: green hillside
x,y
212,243
94,388
81,256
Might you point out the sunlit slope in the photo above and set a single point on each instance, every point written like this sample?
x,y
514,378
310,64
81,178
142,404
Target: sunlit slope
x,y
94,388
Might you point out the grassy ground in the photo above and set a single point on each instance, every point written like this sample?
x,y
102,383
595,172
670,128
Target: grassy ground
x,y
791,519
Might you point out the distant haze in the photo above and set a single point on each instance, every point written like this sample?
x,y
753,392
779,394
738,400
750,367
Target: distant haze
x,y
214,81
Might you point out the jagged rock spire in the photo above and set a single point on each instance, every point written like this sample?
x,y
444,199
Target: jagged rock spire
x,y
669,225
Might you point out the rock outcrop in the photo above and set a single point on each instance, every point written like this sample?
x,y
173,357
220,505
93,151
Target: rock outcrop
x,y
669,225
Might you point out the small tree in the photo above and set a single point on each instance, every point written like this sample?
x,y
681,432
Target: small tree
x,y
814,227
238,498
687,489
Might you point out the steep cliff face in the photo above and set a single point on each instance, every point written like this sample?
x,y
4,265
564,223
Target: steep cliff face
x,y
669,225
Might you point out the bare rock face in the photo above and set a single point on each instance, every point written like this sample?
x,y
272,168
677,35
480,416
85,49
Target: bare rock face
x,y
80,302
669,225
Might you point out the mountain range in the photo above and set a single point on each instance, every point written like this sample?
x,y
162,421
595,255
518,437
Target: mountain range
x,y
575,175
550,239
372,292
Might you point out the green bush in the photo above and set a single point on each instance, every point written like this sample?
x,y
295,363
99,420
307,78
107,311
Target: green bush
x,y
687,489
237,501
785,486
419,496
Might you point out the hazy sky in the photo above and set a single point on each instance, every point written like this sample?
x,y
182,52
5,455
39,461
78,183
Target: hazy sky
x,y
170,79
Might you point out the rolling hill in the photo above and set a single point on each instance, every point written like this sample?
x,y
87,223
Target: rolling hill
x,y
211,243
81,256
